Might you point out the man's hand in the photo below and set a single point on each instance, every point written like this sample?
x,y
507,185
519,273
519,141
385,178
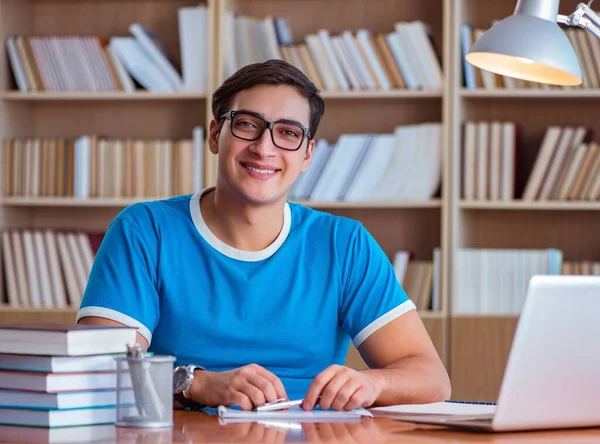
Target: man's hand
x,y
341,388
248,387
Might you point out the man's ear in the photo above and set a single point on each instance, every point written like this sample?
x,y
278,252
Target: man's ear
x,y
213,137
308,156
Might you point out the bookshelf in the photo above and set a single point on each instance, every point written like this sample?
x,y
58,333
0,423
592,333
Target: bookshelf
x,y
479,343
473,347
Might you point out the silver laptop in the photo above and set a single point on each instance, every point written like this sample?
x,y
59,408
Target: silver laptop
x,y
552,377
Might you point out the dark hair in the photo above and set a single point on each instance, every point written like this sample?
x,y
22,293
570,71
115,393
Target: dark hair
x,y
271,72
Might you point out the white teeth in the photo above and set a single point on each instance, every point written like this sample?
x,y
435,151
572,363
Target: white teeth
x,y
258,170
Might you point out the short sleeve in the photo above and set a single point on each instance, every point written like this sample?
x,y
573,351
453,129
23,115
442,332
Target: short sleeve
x,y
372,295
122,282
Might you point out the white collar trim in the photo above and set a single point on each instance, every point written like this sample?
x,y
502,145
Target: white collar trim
x,y
234,253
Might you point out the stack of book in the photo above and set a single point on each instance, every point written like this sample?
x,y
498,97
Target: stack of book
x,y
55,375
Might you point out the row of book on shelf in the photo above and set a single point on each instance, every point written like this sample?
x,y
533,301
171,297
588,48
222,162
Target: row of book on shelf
x,y
403,58
401,166
585,44
44,268
419,279
488,160
82,63
64,376
102,167
494,281
566,168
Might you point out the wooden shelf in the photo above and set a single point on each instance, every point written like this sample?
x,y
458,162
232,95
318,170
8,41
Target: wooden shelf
x,y
99,96
435,203
393,94
529,206
123,202
531,93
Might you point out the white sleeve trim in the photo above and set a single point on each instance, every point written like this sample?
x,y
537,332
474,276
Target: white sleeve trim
x,y
383,320
117,316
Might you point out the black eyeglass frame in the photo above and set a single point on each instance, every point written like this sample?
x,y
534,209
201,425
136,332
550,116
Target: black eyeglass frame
x,y
270,125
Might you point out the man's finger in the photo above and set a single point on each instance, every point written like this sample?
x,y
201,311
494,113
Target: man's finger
x,y
255,394
316,387
330,392
277,384
345,394
264,385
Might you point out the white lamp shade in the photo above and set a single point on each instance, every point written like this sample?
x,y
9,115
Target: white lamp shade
x,y
529,48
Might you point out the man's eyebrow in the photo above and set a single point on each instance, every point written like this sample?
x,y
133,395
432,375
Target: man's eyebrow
x,y
283,120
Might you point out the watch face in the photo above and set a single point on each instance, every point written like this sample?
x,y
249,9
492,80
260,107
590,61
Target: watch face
x,y
179,378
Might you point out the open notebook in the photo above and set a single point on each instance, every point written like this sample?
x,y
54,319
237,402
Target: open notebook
x,y
459,408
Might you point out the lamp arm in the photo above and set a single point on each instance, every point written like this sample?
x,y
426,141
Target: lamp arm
x,y
584,17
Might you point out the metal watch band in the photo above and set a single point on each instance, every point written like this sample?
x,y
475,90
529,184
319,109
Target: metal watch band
x,y
182,398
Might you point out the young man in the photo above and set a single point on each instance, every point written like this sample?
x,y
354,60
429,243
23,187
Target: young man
x,y
262,293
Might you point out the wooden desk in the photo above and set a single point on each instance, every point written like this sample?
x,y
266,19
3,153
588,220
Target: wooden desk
x,y
192,427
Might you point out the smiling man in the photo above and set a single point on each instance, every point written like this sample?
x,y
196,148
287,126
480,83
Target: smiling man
x,y
255,296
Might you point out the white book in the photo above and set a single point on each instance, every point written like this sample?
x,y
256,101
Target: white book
x,y
326,43
469,160
339,48
32,270
401,56
69,272
58,418
270,35
152,47
230,56
64,400
414,54
331,179
373,167
357,60
16,66
508,160
45,287
321,61
482,160
21,270
193,46
8,265
82,163
139,64
124,77
561,150
198,139
56,279
495,161
433,70
542,162
363,38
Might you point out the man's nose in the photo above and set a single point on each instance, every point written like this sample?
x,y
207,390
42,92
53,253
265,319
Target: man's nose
x,y
264,146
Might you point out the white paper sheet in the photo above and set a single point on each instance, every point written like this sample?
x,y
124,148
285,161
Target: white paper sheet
x,y
294,412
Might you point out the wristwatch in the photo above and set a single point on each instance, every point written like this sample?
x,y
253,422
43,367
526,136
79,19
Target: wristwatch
x,y
183,377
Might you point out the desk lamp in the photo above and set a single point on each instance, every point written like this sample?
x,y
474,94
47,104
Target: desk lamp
x,y
530,45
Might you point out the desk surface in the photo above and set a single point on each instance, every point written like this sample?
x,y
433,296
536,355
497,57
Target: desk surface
x,y
190,427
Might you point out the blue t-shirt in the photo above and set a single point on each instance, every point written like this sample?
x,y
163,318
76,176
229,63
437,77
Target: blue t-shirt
x,y
291,308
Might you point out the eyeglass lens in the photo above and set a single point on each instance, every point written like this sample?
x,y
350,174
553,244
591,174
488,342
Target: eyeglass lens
x,y
285,135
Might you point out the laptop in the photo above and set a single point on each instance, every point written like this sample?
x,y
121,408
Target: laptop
x,y
552,377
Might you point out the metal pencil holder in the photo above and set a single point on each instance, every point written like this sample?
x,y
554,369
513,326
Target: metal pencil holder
x,y
144,390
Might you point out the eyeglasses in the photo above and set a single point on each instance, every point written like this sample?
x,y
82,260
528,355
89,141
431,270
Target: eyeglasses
x,y
247,125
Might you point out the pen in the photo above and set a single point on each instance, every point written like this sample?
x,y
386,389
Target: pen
x,y
279,404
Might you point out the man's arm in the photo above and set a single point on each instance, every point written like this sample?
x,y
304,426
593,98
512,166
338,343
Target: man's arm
x,y
93,320
404,363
